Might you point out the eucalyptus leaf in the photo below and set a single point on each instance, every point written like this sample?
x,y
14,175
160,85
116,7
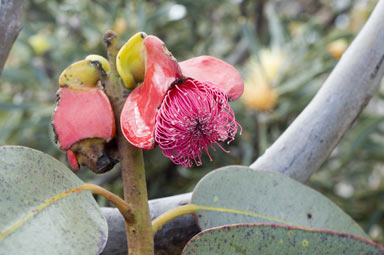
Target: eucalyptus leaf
x,y
274,196
271,239
73,224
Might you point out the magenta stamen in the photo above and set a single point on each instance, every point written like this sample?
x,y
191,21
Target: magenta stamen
x,y
192,117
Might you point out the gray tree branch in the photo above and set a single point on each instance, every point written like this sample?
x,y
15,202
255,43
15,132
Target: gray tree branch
x,y
11,13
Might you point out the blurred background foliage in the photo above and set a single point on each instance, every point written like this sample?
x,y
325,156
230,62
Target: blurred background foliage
x,y
285,49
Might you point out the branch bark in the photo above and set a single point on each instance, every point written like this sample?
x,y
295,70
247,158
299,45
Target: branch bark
x,y
169,240
307,142
10,25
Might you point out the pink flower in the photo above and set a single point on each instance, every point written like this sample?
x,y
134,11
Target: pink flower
x,y
183,107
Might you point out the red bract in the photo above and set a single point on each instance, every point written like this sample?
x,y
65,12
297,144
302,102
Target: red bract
x,y
184,108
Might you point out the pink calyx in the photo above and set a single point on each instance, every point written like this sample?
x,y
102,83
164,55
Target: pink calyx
x,y
72,160
82,114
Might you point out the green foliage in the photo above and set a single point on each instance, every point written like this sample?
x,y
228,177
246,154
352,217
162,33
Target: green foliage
x,y
57,33
39,214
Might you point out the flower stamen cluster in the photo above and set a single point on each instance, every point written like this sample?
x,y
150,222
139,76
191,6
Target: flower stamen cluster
x,y
193,117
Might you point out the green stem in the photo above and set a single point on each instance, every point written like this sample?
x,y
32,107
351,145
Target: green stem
x,y
123,207
139,231
159,222
120,204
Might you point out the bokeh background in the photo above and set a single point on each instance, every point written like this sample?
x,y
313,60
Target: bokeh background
x,y
284,49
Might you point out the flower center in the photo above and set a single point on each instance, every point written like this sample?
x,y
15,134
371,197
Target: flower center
x,y
193,116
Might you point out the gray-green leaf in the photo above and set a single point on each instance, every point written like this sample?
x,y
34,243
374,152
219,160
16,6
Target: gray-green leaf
x,y
73,224
270,194
270,239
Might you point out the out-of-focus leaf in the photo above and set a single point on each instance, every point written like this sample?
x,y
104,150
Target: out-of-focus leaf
x,y
275,27
360,135
11,107
17,75
303,78
9,122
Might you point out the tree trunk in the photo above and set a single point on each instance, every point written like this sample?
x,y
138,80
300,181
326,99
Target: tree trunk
x,y
11,13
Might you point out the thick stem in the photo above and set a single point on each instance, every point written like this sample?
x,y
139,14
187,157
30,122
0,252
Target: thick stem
x,y
172,237
139,231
